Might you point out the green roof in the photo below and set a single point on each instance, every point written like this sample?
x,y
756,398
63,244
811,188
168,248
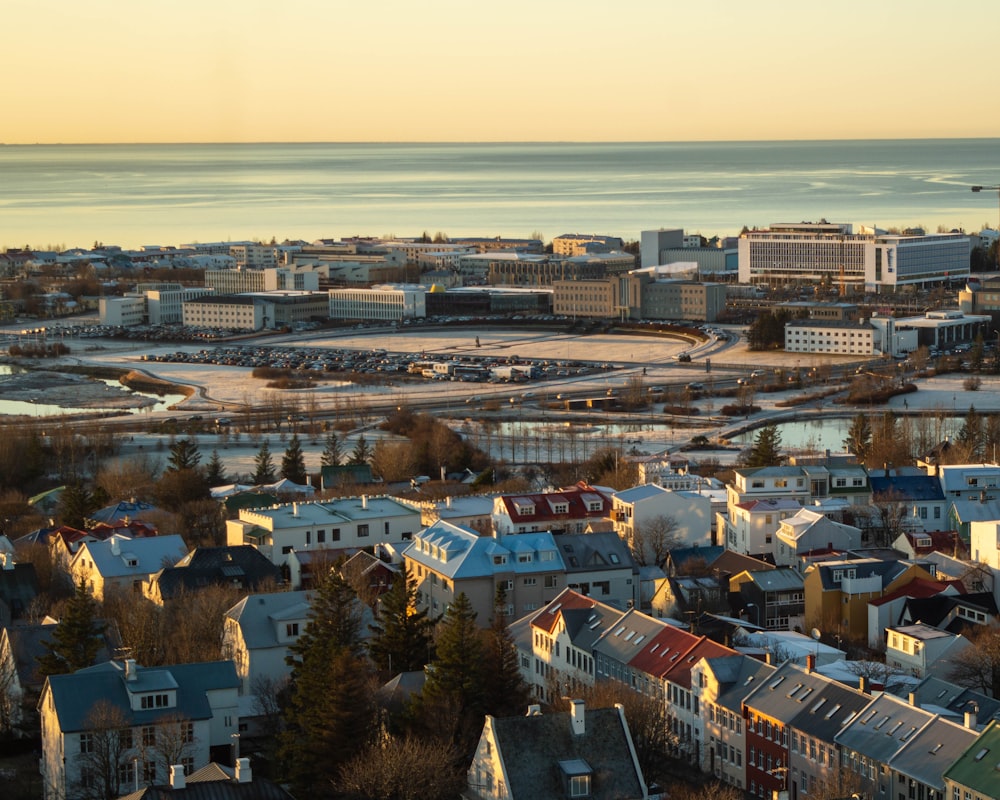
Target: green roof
x,y
978,768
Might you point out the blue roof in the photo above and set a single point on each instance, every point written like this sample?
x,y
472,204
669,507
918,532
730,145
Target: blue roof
x,y
910,487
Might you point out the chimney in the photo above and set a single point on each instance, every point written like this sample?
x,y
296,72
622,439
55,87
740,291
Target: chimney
x,y
913,700
130,670
243,772
576,717
364,501
447,502
295,509
810,662
970,717
534,710
116,547
177,776
864,685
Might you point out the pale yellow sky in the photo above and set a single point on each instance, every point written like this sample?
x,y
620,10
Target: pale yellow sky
x,y
521,70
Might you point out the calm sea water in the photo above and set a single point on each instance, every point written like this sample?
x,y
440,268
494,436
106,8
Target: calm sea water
x,y
131,195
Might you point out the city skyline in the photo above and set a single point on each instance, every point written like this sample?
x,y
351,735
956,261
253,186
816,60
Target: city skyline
x,y
114,72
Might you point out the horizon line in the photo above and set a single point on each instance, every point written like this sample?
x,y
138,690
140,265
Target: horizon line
x,y
505,141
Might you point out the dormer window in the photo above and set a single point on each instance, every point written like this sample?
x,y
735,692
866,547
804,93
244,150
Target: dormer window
x,y
576,777
154,701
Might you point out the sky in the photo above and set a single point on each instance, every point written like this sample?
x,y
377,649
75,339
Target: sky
x,y
517,70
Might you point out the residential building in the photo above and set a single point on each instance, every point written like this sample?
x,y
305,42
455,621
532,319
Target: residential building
x,y
121,722
807,531
921,649
580,753
970,774
213,782
918,496
889,608
771,599
837,593
720,684
751,527
579,244
240,566
346,523
653,520
257,634
568,510
446,560
895,748
600,565
18,586
123,564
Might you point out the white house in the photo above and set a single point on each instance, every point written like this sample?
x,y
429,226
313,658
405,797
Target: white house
x,y
639,515
122,563
807,531
102,725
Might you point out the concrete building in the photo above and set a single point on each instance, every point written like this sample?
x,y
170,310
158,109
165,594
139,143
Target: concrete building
x,y
242,281
123,564
653,520
389,303
568,510
150,304
580,244
641,294
870,261
921,650
830,337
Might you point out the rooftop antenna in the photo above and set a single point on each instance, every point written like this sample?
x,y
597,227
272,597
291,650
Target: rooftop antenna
x,y
816,634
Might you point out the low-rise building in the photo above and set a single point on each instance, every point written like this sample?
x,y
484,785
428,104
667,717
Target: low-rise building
x,y
123,564
568,510
240,566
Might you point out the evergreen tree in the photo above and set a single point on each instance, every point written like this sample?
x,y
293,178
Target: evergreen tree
x,y
215,471
765,451
362,453
76,639
75,504
184,454
331,715
457,674
505,692
971,435
859,437
263,465
293,463
333,452
402,639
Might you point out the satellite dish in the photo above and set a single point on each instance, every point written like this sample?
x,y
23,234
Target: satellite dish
x,y
815,633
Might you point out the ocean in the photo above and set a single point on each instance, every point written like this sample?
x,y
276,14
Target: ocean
x,y
64,196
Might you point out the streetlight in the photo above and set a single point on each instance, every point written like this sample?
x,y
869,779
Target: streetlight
x,y
996,189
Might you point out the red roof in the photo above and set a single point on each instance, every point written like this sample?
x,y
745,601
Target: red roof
x,y
548,616
663,651
918,588
706,648
541,507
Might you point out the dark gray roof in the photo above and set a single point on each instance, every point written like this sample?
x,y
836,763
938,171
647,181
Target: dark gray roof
x,y
241,565
908,487
532,747
863,568
585,552
18,587
826,712
738,676
74,695
882,727
213,782
793,691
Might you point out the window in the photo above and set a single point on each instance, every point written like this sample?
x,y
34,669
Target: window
x,y
154,701
187,733
292,629
320,536
362,530
286,549
335,535
530,581
86,743
579,786
126,774
148,736
551,581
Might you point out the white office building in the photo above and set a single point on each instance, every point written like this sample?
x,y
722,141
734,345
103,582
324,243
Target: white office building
x,y
387,303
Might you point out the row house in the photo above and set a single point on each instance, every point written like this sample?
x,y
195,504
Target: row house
x,y
970,777
771,598
895,748
446,560
569,510
346,523
107,727
720,684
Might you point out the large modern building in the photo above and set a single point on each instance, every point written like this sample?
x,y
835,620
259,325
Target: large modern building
x,y
251,312
389,303
238,281
641,294
149,304
872,260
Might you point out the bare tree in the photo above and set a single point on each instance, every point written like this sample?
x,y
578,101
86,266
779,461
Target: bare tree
x,y
888,517
652,541
168,741
978,665
403,769
104,762
839,783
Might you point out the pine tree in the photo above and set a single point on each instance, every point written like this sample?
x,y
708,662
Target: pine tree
x,y
75,504
333,452
184,454
402,639
859,437
215,471
971,435
331,716
76,639
765,451
264,466
505,692
362,453
293,463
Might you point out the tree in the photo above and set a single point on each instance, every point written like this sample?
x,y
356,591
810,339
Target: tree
x,y
970,436
263,465
452,698
75,504
859,437
402,637
889,515
184,454
215,471
765,451
331,714
402,769
333,451
293,464
652,541
170,743
505,692
978,665
105,760
361,453
76,639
